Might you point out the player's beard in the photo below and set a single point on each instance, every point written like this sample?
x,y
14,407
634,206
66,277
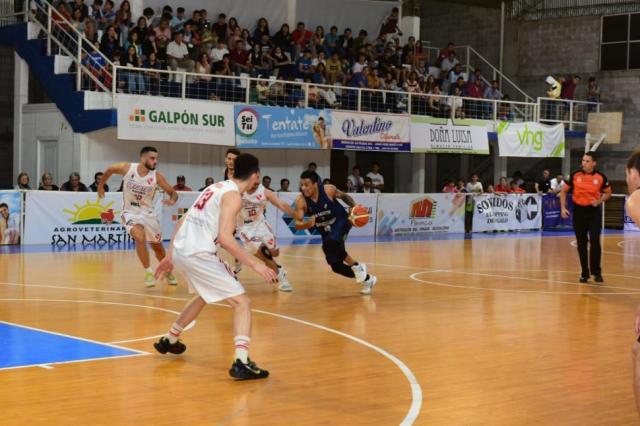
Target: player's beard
x,y
149,167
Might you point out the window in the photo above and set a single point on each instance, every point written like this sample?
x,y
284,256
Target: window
x,y
620,42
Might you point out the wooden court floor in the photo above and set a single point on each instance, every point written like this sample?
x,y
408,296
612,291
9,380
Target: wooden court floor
x,y
476,332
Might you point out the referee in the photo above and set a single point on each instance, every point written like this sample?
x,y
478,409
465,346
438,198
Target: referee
x,y
590,189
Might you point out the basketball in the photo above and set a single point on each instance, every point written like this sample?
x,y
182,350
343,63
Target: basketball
x,y
359,216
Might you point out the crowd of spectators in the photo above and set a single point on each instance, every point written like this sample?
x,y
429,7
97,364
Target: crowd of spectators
x,y
545,184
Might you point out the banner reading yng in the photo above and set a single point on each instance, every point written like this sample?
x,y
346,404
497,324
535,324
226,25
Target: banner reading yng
x,y
370,131
154,118
530,140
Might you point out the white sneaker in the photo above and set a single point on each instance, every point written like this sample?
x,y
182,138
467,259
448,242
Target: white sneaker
x,y
149,280
285,285
361,272
171,279
367,287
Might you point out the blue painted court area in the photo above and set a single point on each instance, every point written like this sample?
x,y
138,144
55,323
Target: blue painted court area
x,y
27,346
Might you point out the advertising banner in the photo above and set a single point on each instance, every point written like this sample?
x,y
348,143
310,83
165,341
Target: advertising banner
x,y
509,212
447,137
530,140
415,214
370,131
551,218
70,218
274,127
10,217
285,227
154,118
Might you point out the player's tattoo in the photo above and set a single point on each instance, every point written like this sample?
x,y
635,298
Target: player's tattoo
x,y
346,198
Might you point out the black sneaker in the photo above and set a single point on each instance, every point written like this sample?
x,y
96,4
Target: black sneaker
x,y
584,279
598,279
248,371
163,346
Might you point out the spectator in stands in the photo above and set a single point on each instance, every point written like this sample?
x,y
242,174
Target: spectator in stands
x,y
203,68
477,108
162,38
543,185
356,178
108,16
455,76
260,65
90,31
349,186
47,183
152,77
569,93
22,181
231,29
223,67
141,28
334,69
284,185
490,189
389,27
456,103
461,186
502,187
376,178
367,186
262,29
300,37
245,36
515,189
167,13
518,178
95,13
240,59
451,63
345,44
135,78
593,93
181,184
444,54
123,20
74,184
316,44
109,42
312,167
361,80
134,41
207,182
178,54
178,21
218,52
475,75
220,28
475,186
283,40
280,62
97,178
266,182
557,183
192,38
149,15
449,186
303,65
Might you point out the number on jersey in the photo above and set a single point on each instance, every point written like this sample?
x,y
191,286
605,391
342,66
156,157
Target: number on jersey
x,y
203,199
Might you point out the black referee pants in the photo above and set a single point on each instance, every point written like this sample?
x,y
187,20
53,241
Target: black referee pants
x,y
587,224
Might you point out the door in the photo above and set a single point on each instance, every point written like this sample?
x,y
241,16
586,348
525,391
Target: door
x,y
48,160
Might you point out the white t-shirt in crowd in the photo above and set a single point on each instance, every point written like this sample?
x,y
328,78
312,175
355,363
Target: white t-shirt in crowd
x,y
356,181
177,50
376,179
217,54
475,188
556,186
358,67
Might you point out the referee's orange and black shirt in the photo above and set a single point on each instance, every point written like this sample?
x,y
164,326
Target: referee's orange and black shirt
x,y
587,187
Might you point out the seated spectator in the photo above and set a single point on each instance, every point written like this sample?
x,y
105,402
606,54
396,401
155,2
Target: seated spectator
x,y
450,64
266,182
356,179
220,28
152,77
217,53
461,186
47,183
203,68
223,67
475,75
134,41
240,58
437,107
284,185
181,184
456,103
490,189
349,186
345,44
474,186
135,78
262,29
450,187
74,184
502,187
97,178
515,188
22,181
444,54
303,65
178,55
300,38
493,92
367,186
326,181
312,167
109,42
207,182
260,65
108,15
178,21
123,19
557,183
280,62
543,185
334,69
454,77
376,178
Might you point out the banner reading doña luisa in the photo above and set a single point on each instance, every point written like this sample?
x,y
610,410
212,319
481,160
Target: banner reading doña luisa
x,y
508,212
155,118
412,214
10,216
274,127
70,218
370,131
530,140
437,135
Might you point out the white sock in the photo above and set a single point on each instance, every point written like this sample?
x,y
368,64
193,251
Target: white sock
x,y
242,348
174,333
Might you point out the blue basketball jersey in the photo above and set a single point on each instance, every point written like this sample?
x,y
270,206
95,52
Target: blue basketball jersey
x,y
331,217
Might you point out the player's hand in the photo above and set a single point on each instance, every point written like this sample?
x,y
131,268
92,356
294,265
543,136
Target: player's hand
x,y
265,272
165,265
354,207
100,191
311,221
564,213
169,201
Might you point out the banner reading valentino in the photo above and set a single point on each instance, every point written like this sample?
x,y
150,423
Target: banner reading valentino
x,y
429,136
154,118
273,127
10,216
530,140
508,212
413,214
370,131
69,218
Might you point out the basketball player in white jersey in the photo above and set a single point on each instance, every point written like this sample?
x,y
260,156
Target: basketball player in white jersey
x,y
256,234
140,181
209,223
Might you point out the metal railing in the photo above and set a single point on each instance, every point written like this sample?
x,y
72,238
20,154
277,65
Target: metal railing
x,y
573,114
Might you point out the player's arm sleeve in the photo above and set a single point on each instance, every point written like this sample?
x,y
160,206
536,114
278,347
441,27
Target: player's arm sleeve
x,y
162,182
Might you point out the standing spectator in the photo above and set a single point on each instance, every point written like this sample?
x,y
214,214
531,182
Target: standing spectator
x,y
22,181
590,189
284,185
356,179
266,182
178,55
376,178
47,183
74,184
461,186
478,108
181,184
492,93
593,92
367,187
389,27
543,185
502,187
475,186
456,103
557,183
449,187
207,182
97,178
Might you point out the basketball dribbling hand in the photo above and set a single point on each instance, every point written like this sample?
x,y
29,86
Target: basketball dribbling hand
x,y
165,265
168,202
265,272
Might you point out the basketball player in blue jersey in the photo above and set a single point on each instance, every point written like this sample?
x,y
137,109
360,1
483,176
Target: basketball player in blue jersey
x,y
320,203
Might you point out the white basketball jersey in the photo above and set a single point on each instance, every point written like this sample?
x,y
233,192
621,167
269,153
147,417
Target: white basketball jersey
x,y
138,191
253,206
199,231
